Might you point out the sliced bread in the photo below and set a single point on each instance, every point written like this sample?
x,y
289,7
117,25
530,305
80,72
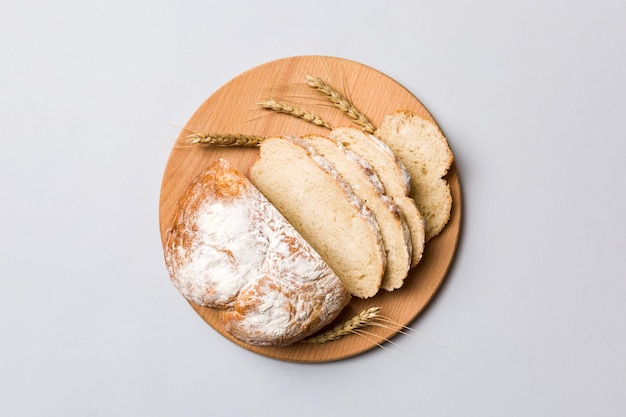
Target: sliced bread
x,y
393,176
309,192
423,149
366,186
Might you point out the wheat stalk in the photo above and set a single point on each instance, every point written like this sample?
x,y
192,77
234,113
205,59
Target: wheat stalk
x,y
224,139
294,111
341,103
351,326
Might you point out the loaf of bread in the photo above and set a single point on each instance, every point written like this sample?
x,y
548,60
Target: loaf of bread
x,y
393,176
229,248
314,198
423,149
365,184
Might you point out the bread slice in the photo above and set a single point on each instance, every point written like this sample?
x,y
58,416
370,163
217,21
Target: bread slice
x,y
393,176
366,186
423,149
309,192
229,248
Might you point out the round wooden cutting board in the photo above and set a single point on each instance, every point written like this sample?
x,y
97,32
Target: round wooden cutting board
x,y
234,109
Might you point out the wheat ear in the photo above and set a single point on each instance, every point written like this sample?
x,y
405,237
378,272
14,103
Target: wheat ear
x,y
351,326
224,139
341,103
294,111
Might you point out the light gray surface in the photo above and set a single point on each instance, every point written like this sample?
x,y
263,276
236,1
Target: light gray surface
x,y
532,96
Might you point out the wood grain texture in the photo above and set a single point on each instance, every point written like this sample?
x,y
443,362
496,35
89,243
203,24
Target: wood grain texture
x,y
233,109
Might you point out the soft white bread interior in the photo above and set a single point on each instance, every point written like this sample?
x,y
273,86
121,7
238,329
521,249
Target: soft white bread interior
x,y
393,176
366,186
423,149
309,192
229,248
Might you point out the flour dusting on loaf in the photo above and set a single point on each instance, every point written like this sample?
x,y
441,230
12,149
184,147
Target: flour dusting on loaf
x,y
229,248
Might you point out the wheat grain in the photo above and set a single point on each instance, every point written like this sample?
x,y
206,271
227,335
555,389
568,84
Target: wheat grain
x,y
341,103
224,139
351,326
294,111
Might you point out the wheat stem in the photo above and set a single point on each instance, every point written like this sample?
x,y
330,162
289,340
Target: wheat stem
x,y
351,326
224,139
294,111
341,103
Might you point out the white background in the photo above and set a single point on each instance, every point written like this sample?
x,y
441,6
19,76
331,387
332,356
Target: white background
x,y
530,321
